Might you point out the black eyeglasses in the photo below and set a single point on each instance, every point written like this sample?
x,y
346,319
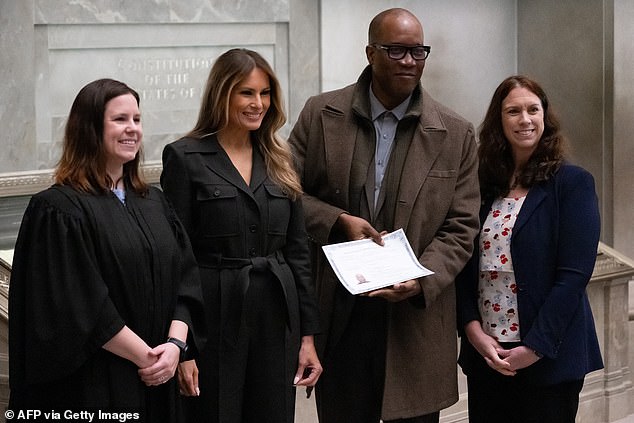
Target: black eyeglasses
x,y
398,52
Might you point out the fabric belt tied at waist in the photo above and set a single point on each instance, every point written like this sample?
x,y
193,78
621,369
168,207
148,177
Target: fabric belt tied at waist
x,y
233,288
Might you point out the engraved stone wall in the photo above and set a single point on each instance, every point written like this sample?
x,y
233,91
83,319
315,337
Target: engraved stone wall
x,y
163,49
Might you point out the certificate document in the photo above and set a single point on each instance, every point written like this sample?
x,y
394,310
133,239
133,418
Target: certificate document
x,y
364,266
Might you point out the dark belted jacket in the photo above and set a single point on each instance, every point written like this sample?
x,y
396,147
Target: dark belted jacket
x,y
234,229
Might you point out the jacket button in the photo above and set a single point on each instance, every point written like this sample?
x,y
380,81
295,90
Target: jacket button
x,y
253,228
252,252
216,193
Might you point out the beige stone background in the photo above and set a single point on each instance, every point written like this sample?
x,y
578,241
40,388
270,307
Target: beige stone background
x,y
582,51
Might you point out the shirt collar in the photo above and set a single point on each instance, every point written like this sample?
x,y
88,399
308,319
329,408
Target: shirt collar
x,y
376,108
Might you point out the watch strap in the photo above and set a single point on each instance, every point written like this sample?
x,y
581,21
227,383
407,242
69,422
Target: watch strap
x,y
182,346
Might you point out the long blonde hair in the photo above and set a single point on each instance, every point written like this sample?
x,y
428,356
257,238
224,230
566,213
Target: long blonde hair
x,y
227,72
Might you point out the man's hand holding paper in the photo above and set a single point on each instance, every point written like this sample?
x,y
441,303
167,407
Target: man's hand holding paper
x,y
398,292
363,266
358,228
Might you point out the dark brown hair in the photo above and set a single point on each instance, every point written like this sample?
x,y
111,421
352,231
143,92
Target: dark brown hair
x,y
83,162
496,161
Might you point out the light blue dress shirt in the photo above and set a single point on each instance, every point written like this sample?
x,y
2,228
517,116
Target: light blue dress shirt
x,y
385,123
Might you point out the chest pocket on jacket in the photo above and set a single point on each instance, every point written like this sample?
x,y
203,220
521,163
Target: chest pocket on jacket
x,y
218,210
279,210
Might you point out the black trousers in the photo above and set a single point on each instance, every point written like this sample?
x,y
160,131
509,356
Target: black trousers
x,y
258,387
495,398
350,389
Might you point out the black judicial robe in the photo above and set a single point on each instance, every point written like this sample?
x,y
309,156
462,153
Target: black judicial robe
x,y
84,266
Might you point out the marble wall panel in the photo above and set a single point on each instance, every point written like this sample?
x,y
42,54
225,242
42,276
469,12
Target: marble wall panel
x,y
16,86
623,126
167,64
568,47
140,11
162,48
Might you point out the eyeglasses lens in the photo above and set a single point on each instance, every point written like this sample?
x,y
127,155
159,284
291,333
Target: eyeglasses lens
x,y
398,52
418,53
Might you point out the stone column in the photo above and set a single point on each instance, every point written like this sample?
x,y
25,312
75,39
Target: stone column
x,y
608,393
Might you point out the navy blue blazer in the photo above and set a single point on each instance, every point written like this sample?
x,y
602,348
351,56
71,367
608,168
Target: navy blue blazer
x,y
553,247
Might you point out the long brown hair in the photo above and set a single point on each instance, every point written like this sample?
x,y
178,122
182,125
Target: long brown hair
x,y
83,162
227,72
496,161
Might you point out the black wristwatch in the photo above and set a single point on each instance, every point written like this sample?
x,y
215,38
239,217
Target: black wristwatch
x,y
181,346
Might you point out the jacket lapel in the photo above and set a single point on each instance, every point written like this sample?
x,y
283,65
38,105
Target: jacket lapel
x,y
536,195
339,154
217,161
426,145
258,170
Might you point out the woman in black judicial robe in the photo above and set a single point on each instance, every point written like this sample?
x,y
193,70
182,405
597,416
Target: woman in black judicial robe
x,y
104,289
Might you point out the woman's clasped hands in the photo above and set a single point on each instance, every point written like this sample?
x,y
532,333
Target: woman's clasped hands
x,y
162,362
506,362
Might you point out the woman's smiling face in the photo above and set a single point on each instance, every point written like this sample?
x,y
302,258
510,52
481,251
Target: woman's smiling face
x,y
122,131
249,101
522,122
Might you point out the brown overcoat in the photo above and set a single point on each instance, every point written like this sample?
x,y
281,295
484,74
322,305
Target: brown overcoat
x,y
437,206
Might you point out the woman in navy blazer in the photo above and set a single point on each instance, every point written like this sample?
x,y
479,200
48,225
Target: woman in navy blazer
x,y
527,332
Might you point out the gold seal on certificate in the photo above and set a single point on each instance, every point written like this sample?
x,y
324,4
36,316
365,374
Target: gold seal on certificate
x,y
364,266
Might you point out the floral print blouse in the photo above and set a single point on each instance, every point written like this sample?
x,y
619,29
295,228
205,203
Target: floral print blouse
x,y
497,288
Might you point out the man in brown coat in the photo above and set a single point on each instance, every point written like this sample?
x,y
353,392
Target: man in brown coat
x,y
376,156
